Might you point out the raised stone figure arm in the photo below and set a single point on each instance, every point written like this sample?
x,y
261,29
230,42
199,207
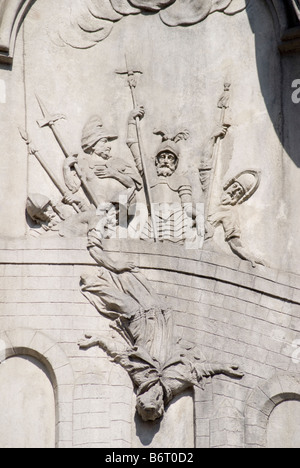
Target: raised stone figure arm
x,y
110,172
103,259
112,347
238,248
209,370
132,139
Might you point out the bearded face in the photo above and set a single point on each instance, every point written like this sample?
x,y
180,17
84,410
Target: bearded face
x,y
232,195
166,164
102,149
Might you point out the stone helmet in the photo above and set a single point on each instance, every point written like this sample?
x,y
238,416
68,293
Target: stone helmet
x,y
93,132
248,180
170,143
36,205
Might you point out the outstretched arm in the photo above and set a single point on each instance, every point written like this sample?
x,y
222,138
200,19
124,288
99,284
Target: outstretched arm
x,y
112,347
209,370
238,249
104,260
206,162
111,173
132,137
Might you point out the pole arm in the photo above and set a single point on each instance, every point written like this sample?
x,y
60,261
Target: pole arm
x,y
223,104
32,150
132,85
50,121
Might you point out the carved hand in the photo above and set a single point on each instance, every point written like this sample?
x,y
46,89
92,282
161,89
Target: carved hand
x,y
209,231
88,342
121,267
103,172
221,131
69,199
233,371
138,112
257,261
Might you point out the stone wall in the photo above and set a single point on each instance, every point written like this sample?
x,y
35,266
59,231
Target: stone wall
x,y
61,63
238,314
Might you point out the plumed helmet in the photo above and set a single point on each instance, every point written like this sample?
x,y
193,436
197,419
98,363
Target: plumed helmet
x,y
170,146
36,204
94,131
248,180
169,142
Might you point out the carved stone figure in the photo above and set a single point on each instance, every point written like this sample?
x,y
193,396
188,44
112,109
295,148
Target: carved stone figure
x,y
105,177
92,20
206,163
235,192
171,193
157,383
210,156
56,217
159,364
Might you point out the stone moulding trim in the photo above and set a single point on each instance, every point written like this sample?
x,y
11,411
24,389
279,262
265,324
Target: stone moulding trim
x,y
12,14
203,264
262,401
28,342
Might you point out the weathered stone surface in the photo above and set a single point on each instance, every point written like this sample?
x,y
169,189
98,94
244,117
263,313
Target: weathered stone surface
x,y
153,167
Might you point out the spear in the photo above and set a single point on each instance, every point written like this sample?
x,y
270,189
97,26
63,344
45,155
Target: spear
x,y
32,150
131,72
223,104
50,121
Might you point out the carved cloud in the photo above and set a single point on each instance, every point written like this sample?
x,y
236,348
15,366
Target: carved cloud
x,y
93,20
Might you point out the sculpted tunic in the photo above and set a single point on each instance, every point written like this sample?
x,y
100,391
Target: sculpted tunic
x,y
106,189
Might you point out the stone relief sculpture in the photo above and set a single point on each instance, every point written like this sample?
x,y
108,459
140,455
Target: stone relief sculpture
x,y
56,217
171,193
160,365
94,177
105,177
101,177
92,20
235,192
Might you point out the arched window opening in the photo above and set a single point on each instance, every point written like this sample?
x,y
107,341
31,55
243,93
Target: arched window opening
x,y
27,404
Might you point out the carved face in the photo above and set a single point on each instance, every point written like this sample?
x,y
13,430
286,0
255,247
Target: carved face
x,y
233,194
102,148
166,163
46,215
150,405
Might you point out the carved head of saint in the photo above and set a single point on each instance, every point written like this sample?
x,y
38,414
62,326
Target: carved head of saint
x,y
150,405
240,188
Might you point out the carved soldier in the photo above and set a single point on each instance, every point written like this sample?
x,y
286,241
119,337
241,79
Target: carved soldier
x,y
171,192
104,176
56,217
235,192
159,365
